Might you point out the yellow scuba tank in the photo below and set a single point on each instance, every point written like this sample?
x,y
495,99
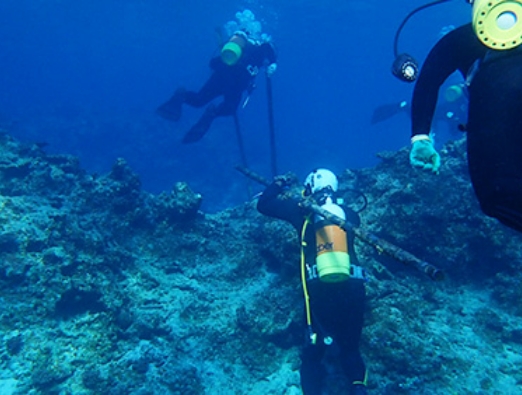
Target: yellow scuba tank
x,y
333,260
233,49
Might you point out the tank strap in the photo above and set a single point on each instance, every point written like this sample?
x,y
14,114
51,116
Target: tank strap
x,y
358,273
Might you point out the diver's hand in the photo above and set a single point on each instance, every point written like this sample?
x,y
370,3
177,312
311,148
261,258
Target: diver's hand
x,y
285,180
423,155
271,69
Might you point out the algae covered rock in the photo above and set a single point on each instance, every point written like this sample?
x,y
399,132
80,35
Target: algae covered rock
x,y
108,289
178,205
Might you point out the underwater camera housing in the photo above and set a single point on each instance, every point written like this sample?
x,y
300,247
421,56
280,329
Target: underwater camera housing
x,y
405,67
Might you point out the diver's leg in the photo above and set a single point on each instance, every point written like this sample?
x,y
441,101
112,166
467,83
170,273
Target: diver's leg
x,y
202,126
348,333
355,370
230,103
226,108
312,370
208,92
172,108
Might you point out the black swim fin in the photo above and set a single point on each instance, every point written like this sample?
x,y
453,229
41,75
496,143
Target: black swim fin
x,y
201,127
171,110
386,111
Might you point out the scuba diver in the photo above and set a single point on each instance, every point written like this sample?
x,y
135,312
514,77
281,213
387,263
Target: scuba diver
x,y
450,112
488,54
233,72
333,283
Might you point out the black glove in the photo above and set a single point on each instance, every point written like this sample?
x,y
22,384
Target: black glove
x,y
285,180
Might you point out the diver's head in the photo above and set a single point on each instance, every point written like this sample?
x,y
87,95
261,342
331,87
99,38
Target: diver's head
x,y
321,183
497,23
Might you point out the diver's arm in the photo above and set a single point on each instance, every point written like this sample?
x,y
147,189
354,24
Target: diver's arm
x,y
270,58
271,204
457,50
270,52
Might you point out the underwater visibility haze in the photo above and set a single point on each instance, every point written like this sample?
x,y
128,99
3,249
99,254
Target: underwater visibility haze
x,y
86,79
131,263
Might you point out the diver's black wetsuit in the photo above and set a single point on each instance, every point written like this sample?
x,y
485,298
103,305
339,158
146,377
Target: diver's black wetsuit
x,y
494,128
337,308
231,81
227,81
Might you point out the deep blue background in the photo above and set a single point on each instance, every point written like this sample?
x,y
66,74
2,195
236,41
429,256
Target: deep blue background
x,y
86,77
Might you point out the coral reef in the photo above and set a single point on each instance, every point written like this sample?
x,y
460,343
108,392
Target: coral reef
x,y
107,289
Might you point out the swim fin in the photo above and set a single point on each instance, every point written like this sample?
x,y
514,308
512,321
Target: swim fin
x,y
386,111
171,109
201,127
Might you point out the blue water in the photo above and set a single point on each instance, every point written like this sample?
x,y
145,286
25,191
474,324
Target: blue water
x,y
86,77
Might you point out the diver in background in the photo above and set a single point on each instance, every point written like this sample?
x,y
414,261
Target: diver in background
x,y
233,72
451,111
333,284
490,60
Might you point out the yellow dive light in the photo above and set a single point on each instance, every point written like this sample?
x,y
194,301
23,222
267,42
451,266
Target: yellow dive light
x,y
497,23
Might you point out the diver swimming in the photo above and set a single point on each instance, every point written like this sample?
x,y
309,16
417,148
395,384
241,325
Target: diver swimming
x,y
234,70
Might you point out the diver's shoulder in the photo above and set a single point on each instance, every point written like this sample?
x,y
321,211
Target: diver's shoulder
x,y
462,32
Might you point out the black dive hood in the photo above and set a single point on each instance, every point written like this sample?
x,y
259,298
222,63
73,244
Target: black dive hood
x,y
405,67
